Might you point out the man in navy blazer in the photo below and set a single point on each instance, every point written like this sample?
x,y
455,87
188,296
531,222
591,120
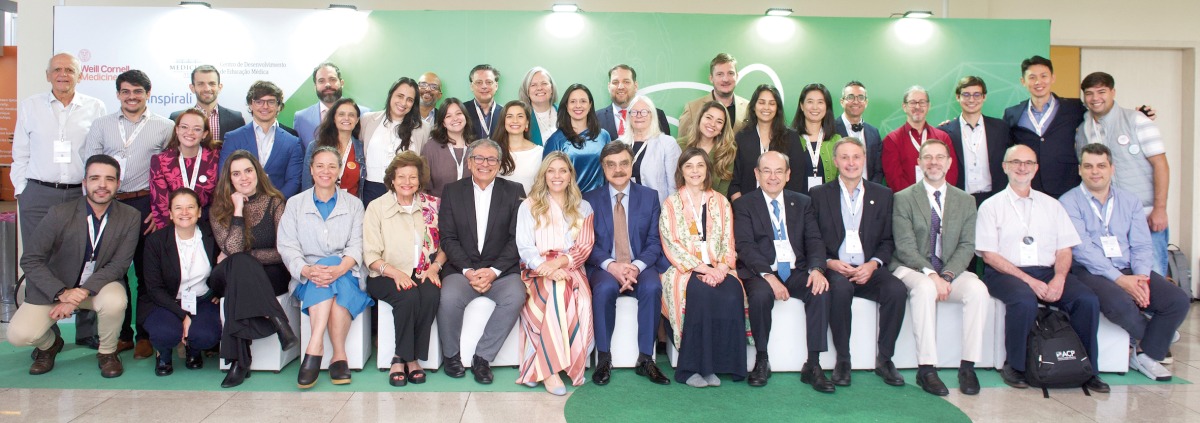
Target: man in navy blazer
x,y
1046,123
327,80
635,270
622,88
279,152
981,159
774,270
851,124
483,109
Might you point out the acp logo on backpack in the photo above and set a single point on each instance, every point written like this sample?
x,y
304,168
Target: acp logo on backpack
x,y
1067,355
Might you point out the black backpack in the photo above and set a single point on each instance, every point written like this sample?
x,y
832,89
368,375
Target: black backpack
x,y
1057,358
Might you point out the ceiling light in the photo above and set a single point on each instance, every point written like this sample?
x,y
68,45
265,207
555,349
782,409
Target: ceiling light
x,y
919,14
565,8
779,11
343,7
195,5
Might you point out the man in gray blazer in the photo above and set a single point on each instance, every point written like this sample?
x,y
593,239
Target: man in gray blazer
x,y
939,220
75,260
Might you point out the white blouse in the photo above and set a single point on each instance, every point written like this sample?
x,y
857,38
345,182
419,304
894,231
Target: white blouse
x,y
194,267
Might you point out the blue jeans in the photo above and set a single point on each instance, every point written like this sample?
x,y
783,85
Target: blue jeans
x,y
1159,240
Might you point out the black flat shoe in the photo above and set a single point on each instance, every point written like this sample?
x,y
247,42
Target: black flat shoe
x,y
482,370
931,383
339,372
1096,385
237,374
759,375
194,360
968,383
1012,377
310,368
399,378
162,365
650,370
887,370
287,339
813,375
603,372
454,367
841,373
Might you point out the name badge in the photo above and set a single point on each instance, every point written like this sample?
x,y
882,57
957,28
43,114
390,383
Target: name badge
x,y
62,152
1029,254
920,173
187,301
123,161
88,269
814,181
1112,248
783,252
701,251
853,243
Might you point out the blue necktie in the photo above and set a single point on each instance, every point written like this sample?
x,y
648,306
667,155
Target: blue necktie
x,y
935,230
785,269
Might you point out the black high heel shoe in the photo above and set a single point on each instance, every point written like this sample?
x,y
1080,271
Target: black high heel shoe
x,y
238,373
287,339
310,368
399,378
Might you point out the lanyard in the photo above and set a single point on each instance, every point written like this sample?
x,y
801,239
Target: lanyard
x,y
924,137
777,221
1108,208
697,215
856,203
457,163
641,151
485,120
94,235
1012,200
62,121
1040,124
190,182
1096,135
187,261
761,148
814,154
345,161
136,130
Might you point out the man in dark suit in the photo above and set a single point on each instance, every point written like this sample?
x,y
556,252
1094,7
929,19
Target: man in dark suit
x,y
478,223
631,267
483,109
206,85
781,255
979,142
75,260
855,217
851,124
622,88
277,150
1046,123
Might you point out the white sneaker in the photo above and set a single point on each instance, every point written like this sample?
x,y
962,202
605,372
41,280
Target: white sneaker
x,y
1150,367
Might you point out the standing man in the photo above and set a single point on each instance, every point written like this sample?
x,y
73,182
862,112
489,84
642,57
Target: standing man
x,y
626,259
622,88
855,217
430,86
478,224
75,260
979,142
781,255
482,110
206,85
851,124
722,74
1025,238
1139,154
901,147
132,136
327,80
1046,123
1116,262
939,220
278,151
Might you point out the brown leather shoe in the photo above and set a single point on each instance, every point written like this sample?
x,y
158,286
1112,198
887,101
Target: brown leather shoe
x,y
43,361
143,349
124,345
110,365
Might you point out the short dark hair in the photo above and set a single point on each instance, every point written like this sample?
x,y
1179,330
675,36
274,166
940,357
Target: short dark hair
x,y
182,191
404,159
684,157
1097,79
626,67
970,81
1096,149
260,89
854,83
721,58
483,67
614,148
336,70
134,77
103,159
205,69
1035,60
934,141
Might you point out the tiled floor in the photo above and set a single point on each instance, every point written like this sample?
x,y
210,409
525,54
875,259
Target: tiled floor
x,y
1157,403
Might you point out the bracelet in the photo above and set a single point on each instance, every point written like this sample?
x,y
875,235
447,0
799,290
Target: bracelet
x,y
382,268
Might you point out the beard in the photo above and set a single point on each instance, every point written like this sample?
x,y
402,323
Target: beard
x,y
330,97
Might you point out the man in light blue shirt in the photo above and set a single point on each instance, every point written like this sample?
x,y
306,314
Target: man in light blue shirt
x,y
1116,258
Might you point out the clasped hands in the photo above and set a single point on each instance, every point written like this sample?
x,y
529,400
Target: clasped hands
x,y
554,268
857,274
711,275
69,300
322,275
626,274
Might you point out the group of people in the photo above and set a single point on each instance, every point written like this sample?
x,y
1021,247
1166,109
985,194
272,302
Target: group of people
x,y
552,210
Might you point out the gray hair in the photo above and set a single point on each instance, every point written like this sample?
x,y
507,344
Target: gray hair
x,y
849,140
486,142
74,62
787,162
654,130
913,89
523,90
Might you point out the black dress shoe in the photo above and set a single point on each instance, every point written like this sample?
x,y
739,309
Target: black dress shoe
x,y
1096,385
813,375
91,342
650,370
195,359
887,370
759,375
287,339
603,372
481,370
238,373
310,368
1012,377
967,382
162,365
453,366
931,383
841,373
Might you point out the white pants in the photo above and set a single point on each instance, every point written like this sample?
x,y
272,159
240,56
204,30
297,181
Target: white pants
x,y
966,289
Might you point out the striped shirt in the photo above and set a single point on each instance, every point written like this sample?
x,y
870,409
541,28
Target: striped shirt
x,y
105,138
41,121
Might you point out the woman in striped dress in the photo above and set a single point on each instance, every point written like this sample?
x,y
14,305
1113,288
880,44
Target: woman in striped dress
x,y
554,239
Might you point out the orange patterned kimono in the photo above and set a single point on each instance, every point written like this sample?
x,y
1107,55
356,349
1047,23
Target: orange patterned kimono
x,y
556,322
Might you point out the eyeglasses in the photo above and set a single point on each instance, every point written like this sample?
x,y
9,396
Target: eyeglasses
x,y
480,160
855,98
917,103
931,157
269,102
639,113
1019,163
777,172
428,86
972,96
138,92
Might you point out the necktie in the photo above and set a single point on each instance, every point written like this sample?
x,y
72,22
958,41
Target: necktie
x,y
856,127
621,124
621,232
935,230
785,269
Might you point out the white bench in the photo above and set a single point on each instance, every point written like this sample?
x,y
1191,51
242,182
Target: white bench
x,y
475,318
386,348
266,353
358,341
949,339
624,346
1112,342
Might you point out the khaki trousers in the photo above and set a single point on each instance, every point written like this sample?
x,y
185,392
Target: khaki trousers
x,y
31,324
966,289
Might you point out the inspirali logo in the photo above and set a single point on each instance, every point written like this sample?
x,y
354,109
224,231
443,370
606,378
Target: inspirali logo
x,y
1067,355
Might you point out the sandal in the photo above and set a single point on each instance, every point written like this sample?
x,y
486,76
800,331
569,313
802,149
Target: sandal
x,y
398,378
417,376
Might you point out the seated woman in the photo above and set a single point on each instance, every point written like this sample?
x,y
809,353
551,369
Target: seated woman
x,y
579,136
554,239
250,274
712,132
339,130
697,236
178,262
400,246
654,153
321,241
188,161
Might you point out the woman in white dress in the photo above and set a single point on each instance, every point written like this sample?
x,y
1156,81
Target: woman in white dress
x,y
522,157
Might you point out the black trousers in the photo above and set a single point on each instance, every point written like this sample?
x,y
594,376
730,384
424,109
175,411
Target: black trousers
x,y
882,288
413,311
761,300
249,293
